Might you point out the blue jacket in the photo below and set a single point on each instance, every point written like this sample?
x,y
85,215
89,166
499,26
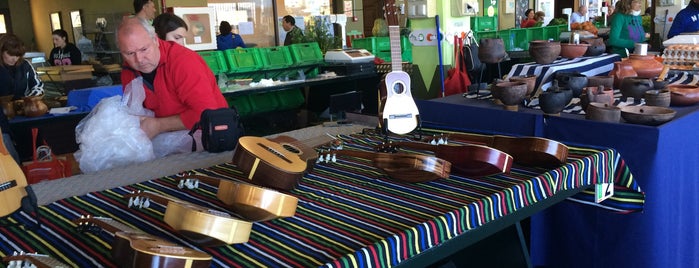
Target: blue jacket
x,y
228,41
686,21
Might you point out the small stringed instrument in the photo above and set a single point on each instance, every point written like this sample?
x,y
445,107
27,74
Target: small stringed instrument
x,y
398,113
206,227
528,151
249,201
470,160
404,167
12,182
132,248
34,260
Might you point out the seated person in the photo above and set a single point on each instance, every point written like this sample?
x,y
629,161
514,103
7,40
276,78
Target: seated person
x,y
529,20
170,27
227,39
539,18
580,16
17,75
686,20
177,82
63,52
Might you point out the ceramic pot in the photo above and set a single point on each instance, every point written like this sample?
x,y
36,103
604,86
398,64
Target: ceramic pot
x,y
596,94
645,65
491,50
659,84
635,87
601,80
655,97
543,51
34,106
573,80
8,106
647,115
596,48
529,79
552,102
511,94
621,70
682,95
572,51
603,112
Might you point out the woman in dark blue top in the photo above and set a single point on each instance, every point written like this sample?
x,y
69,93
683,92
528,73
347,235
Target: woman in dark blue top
x,y
227,39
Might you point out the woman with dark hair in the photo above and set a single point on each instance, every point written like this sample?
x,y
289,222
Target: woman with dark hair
x,y
529,20
63,52
17,75
226,39
170,27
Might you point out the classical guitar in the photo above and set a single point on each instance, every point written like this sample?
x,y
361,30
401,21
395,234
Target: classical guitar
x,y
12,182
528,151
206,227
132,248
405,167
22,260
249,201
398,111
470,160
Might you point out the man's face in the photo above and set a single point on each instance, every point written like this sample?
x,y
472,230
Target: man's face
x,y
583,10
286,25
139,49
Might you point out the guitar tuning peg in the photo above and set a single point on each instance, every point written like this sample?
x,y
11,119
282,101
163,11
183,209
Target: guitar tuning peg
x,y
320,159
130,202
334,158
433,142
180,184
146,203
196,184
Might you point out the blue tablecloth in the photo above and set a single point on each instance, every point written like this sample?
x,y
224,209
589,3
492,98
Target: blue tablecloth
x,y
590,66
661,158
86,99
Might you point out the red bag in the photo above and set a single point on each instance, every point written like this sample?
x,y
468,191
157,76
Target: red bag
x,y
49,167
457,81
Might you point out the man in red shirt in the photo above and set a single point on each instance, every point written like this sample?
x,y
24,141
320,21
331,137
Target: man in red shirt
x,y
177,82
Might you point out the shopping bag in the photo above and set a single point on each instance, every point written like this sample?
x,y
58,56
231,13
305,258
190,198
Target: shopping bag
x,y
457,80
45,165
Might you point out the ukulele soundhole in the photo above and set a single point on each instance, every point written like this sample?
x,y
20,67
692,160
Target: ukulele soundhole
x,y
291,148
398,88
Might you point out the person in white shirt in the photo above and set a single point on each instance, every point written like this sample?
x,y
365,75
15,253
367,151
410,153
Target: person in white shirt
x,y
580,16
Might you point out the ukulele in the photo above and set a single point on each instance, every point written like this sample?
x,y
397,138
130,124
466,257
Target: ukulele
x,y
33,260
12,182
206,227
132,248
528,151
398,113
470,160
405,167
252,202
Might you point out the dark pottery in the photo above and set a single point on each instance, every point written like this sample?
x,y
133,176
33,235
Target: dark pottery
x,y
491,50
647,115
603,112
635,87
544,52
596,48
604,80
529,79
555,99
660,98
511,94
682,95
659,84
573,80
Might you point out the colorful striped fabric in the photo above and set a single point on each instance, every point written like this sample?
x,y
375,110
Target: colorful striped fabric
x,y
349,215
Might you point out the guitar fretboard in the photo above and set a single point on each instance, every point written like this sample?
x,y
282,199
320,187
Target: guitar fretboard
x,y
117,225
396,58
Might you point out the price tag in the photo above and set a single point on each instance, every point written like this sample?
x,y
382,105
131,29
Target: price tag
x,y
603,191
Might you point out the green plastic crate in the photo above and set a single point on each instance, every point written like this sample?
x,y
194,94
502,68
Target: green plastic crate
x,y
368,43
306,53
263,102
485,34
243,59
515,39
536,33
215,60
552,32
380,44
241,104
290,99
275,57
484,23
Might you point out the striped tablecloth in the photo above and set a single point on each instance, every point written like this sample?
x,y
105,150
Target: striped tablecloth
x,y
349,215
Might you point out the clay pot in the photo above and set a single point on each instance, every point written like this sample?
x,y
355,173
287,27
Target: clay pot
x,y
510,94
603,112
655,97
645,65
596,48
543,51
553,101
647,115
596,94
601,80
8,106
682,95
34,106
529,79
621,70
491,50
659,84
635,87
573,80
572,51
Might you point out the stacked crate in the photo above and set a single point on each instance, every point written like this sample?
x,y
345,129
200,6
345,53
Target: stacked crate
x,y
381,47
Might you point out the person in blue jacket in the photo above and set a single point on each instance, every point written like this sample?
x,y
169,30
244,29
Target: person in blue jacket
x,y
686,21
226,39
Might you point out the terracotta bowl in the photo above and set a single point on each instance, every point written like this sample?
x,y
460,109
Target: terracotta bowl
x,y
544,52
647,115
572,51
603,112
683,95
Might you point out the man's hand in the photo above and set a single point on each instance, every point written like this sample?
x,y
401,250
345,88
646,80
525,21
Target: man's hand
x,y
153,126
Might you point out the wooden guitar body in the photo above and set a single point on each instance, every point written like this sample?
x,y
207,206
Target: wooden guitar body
x,y
529,151
411,168
12,182
268,163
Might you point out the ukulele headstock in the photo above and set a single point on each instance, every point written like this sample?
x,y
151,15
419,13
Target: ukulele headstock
x,y
387,147
88,223
328,153
138,199
391,12
437,139
186,180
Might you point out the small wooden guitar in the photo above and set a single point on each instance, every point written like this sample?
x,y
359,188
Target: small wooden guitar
x,y
12,182
399,113
268,163
206,227
32,260
470,160
403,167
528,151
132,248
249,201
